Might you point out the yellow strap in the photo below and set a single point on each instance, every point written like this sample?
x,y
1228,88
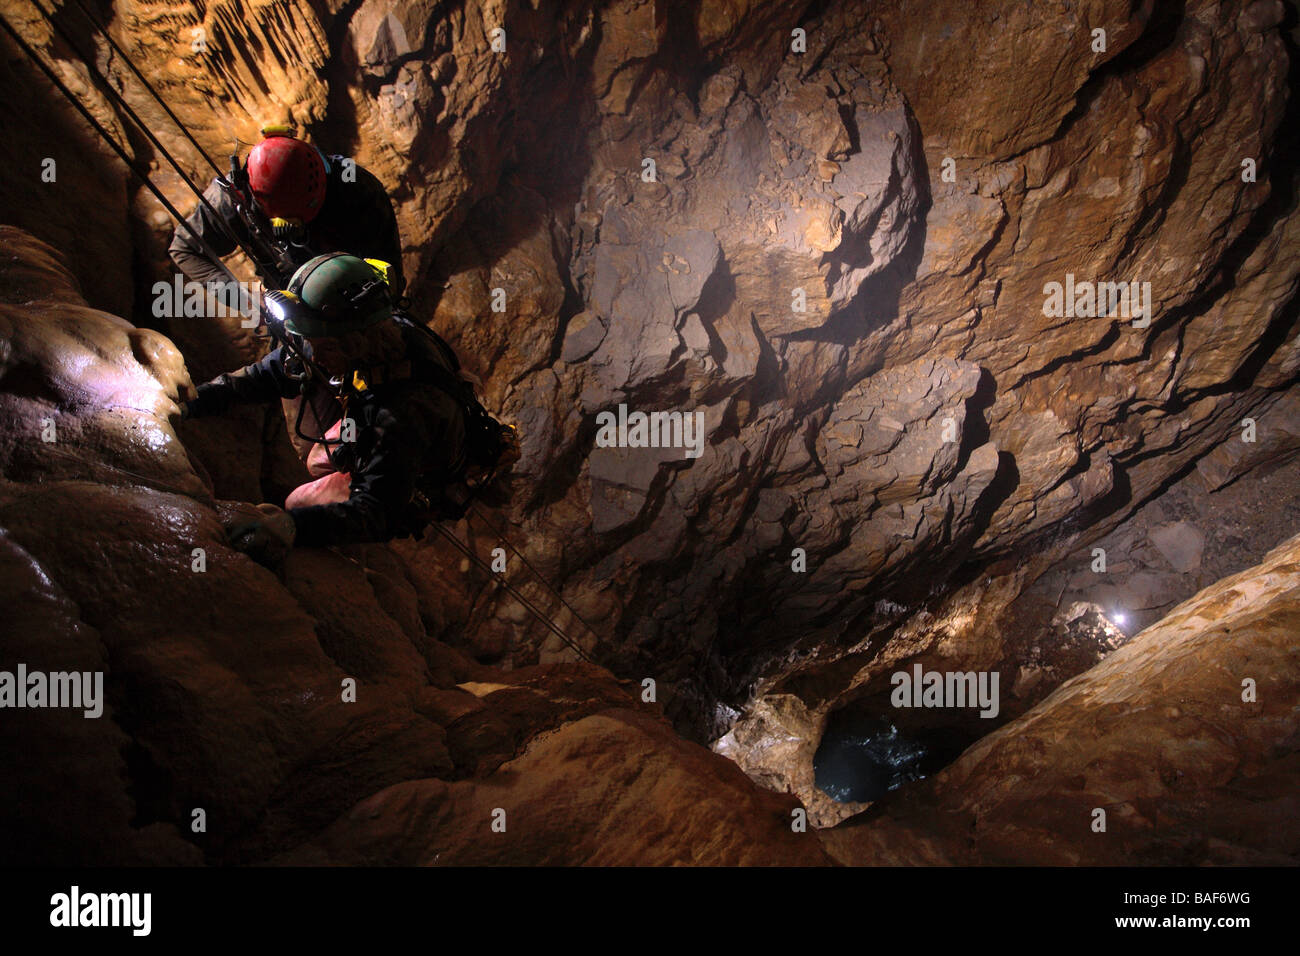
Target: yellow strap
x,y
358,383
382,268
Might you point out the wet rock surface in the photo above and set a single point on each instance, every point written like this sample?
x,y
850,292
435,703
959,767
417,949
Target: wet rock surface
x,y
226,686
838,257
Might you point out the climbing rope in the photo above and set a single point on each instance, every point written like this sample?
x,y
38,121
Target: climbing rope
x,y
143,479
117,98
514,592
500,536
460,546
111,91
108,138
103,31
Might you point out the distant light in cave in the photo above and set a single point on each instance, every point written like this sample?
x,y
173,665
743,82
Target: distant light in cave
x,y
1119,618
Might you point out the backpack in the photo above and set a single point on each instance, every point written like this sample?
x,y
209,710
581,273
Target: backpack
x,y
445,494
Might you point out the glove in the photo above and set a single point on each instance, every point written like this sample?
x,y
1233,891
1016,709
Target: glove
x,y
263,532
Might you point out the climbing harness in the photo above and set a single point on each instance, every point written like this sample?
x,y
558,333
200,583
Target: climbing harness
x,y
270,266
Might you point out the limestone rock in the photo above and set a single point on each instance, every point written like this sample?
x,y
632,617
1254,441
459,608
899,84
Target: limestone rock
x,y
816,221
273,704
582,336
1181,544
575,798
1218,787
842,260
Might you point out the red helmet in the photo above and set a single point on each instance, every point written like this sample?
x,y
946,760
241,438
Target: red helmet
x,y
287,177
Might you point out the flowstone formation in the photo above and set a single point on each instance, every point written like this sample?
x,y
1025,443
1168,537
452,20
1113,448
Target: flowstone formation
x,y
267,706
952,290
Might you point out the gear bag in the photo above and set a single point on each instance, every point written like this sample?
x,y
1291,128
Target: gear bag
x,y
445,494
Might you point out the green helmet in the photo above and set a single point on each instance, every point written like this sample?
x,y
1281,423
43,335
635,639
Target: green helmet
x,y
332,295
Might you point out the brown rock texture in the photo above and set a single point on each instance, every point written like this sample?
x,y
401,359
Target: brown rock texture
x,y
225,684
1185,737
913,180
612,789
829,229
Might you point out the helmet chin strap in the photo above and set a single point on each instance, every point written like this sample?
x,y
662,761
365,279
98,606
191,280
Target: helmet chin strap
x,y
343,387
300,351
313,371
315,439
289,315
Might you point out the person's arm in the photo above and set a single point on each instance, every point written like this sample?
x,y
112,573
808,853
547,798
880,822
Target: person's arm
x,y
381,491
262,381
188,253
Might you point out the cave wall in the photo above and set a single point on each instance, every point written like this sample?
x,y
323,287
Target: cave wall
x,y
821,171
225,687
244,712
922,426
1184,739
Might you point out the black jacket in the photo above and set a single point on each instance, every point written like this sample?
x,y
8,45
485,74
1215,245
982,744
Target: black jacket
x,y
356,217
408,430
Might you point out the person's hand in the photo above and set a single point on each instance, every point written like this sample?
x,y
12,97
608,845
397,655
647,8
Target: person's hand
x,y
263,532
185,401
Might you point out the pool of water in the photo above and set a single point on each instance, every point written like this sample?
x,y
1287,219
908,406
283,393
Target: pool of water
x,y
864,756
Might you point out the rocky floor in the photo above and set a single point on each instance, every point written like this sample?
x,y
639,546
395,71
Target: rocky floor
x,y
1178,543
1069,620
1166,551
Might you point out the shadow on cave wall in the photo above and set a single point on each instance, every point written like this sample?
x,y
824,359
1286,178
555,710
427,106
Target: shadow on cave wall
x,y
1282,201
756,623
84,212
875,305
546,155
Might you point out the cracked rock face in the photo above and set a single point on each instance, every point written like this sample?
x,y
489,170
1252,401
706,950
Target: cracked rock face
x,y
1028,793
235,701
837,256
671,209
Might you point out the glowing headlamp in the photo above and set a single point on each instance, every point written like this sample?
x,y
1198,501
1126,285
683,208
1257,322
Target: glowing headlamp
x,y
279,304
